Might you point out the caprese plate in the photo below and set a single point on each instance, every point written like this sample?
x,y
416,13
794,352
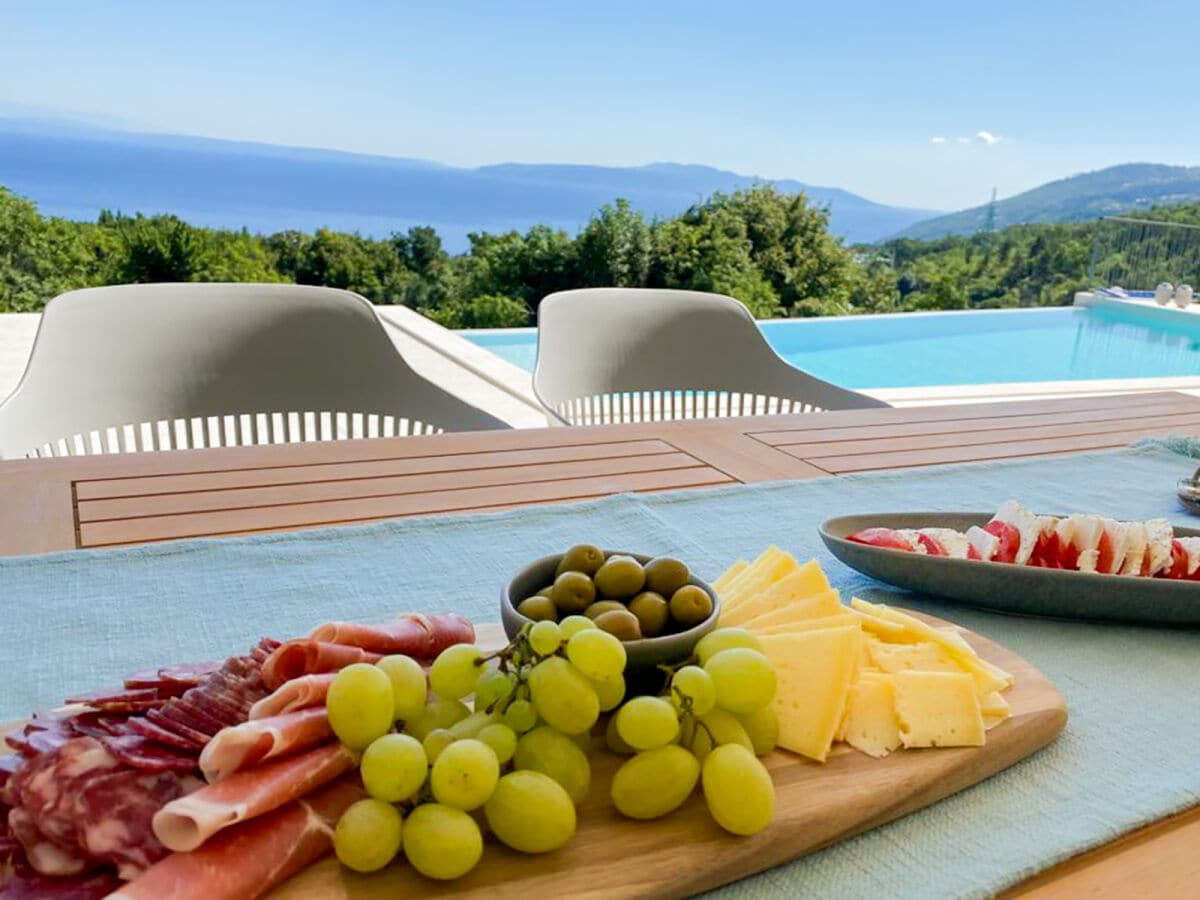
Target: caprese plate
x,y
919,551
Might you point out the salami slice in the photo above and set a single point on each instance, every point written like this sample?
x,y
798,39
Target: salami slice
x,y
160,718
115,813
141,725
147,755
115,696
23,883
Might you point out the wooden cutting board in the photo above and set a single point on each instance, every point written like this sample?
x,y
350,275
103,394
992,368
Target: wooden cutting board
x,y
685,852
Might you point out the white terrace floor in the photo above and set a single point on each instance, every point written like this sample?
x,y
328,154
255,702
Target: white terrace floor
x,y
505,391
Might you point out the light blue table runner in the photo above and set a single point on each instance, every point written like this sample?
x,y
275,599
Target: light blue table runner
x,y
1130,753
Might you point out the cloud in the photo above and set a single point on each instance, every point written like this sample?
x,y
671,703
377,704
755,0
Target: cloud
x,y
987,137
937,140
962,140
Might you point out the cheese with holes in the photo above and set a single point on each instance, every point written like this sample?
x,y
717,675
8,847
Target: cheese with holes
x,y
818,606
925,656
871,725
938,709
815,671
801,582
835,621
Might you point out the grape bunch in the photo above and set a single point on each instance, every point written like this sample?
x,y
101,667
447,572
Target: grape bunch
x,y
439,773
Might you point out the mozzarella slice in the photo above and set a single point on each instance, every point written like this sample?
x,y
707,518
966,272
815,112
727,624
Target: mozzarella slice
x,y
1083,534
984,542
1027,524
1191,546
1135,548
1158,544
1119,540
956,543
910,535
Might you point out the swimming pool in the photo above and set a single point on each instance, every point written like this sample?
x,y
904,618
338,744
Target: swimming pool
x,y
948,348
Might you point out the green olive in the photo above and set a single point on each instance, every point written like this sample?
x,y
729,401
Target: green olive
x,y
620,623
547,591
538,608
665,575
584,558
652,612
620,577
690,605
573,592
600,607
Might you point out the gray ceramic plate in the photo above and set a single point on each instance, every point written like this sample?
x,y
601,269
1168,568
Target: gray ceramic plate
x,y
1022,590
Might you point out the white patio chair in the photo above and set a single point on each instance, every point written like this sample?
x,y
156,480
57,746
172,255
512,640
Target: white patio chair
x,y
177,366
633,355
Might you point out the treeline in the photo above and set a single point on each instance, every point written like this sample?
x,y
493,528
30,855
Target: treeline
x,y
772,251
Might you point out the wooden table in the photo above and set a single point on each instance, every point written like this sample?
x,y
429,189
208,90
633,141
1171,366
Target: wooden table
x,y
62,504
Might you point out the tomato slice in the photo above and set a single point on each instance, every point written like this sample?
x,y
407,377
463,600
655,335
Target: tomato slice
x,y
1046,551
1105,552
1009,541
972,553
932,547
1179,562
881,537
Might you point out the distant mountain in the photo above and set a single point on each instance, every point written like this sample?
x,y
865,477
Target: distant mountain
x,y
1118,189
75,170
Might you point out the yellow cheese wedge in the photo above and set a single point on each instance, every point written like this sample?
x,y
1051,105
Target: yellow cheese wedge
x,y
955,637
757,579
795,584
818,606
815,670
923,657
876,626
721,585
803,625
994,704
938,709
871,725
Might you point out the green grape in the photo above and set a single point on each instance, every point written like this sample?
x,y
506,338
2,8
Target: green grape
x,y
464,774
492,687
738,790
394,767
610,691
520,716
695,684
744,679
408,686
368,835
647,722
545,638
454,673
597,654
442,842
435,742
725,639
762,727
564,698
502,740
472,725
438,714
722,727
654,782
572,625
612,738
531,812
553,753
360,705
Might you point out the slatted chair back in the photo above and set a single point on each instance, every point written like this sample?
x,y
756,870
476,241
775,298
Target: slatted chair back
x,y
609,355
177,366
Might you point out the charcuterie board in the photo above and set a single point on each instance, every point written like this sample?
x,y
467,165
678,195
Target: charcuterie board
x,y
685,852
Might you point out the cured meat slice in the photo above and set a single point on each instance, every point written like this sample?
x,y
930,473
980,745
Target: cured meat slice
x,y
197,738
186,823
147,755
412,634
22,883
144,727
47,857
250,743
307,656
248,860
114,814
299,693
115,696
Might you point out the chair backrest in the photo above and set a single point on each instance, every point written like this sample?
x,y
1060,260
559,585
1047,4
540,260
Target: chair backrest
x,y
171,366
631,354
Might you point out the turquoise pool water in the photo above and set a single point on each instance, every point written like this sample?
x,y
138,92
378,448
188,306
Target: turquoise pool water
x,y
977,347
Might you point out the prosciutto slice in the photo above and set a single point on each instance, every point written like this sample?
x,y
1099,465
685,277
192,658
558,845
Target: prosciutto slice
x,y
250,743
250,859
307,656
188,822
413,634
299,693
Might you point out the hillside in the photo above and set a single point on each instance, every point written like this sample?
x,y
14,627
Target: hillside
x,y
1119,189
74,171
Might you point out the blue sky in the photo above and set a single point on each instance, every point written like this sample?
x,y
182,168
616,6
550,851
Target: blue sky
x,y
850,94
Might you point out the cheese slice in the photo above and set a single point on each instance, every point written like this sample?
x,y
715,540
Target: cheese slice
x,y
994,704
798,583
923,657
757,579
834,621
721,585
818,606
747,572
877,627
815,671
871,725
938,709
